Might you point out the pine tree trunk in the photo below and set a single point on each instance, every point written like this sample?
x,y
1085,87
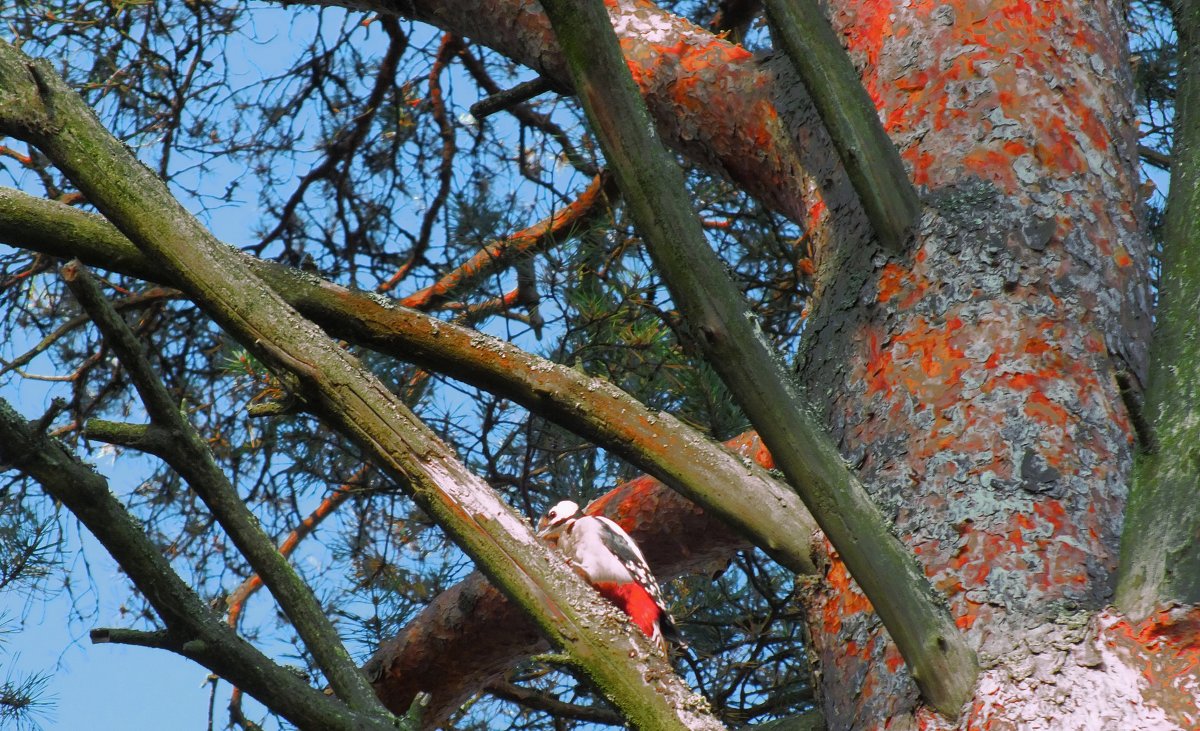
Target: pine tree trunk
x,y
974,378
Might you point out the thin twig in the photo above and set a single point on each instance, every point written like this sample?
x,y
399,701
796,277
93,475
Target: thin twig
x,y
437,106
507,98
560,225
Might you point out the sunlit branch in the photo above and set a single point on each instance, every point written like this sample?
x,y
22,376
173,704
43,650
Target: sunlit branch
x,y
654,441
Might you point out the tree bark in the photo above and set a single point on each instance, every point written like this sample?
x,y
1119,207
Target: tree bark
x,y
974,377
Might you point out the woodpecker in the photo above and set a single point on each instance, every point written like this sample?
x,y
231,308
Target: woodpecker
x,y
607,558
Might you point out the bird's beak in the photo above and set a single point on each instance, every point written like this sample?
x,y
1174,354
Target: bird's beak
x,y
547,532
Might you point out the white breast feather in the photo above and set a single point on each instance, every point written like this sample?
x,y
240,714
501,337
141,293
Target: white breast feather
x,y
584,545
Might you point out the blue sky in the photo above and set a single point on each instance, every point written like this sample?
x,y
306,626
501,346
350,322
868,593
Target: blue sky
x,y
93,686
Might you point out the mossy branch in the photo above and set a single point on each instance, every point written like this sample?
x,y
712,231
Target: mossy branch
x,y
1160,556
871,160
723,328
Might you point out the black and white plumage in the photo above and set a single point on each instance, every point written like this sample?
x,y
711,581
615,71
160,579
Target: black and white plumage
x,y
608,559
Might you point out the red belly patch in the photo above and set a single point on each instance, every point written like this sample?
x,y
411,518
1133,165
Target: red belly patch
x,y
634,601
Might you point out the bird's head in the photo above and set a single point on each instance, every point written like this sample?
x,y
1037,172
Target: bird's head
x,y
554,522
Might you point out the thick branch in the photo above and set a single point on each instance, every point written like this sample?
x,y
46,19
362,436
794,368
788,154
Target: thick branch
x,y
722,325
870,158
187,452
469,635
656,442
1160,556
192,629
335,386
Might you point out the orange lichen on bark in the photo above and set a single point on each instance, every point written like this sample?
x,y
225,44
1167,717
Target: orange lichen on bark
x,y
993,165
1166,646
1041,408
847,599
624,502
236,601
975,58
892,657
867,37
893,280
925,359
1175,629
878,368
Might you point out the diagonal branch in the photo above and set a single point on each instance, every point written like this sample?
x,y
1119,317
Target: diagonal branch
x,y
871,159
236,601
560,225
723,328
187,452
1160,556
676,536
333,385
